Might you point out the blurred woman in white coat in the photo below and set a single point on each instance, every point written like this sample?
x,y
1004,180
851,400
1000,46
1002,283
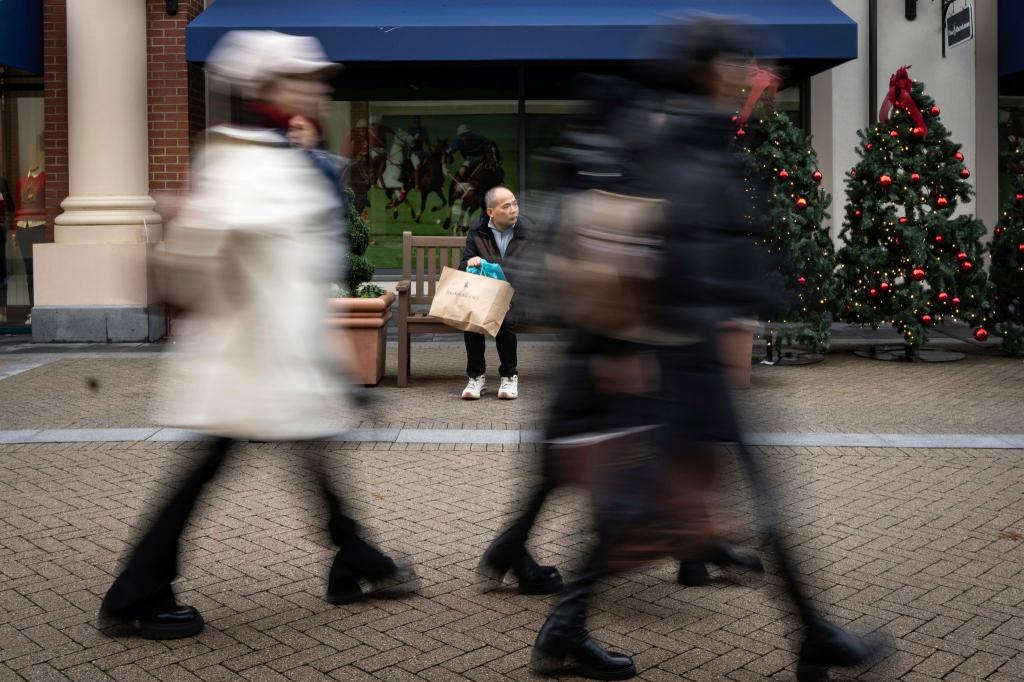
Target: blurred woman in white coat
x,y
250,258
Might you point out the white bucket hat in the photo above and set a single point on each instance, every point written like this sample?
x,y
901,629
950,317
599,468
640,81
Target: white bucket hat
x,y
463,128
250,59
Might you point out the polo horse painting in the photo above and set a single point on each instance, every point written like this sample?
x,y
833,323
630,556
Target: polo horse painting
x,y
470,192
397,179
429,178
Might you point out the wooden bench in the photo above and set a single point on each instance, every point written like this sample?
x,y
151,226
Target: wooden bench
x,y
422,261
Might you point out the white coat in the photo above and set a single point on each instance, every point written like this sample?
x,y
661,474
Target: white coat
x,y
251,257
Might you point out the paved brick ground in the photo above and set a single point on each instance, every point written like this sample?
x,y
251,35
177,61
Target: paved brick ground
x,y
923,543
928,544
843,394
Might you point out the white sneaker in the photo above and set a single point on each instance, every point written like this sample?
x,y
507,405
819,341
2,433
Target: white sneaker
x,y
475,387
509,389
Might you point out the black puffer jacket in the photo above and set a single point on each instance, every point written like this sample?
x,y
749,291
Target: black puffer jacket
x,y
713,267
480,242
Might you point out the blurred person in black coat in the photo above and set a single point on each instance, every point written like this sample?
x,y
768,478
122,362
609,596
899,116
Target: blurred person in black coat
x,y
664,137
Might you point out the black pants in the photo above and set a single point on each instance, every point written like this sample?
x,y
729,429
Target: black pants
x,y
476,364
145,581
28,237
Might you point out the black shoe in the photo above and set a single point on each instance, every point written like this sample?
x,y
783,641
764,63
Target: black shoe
x,y
345,589
174,622
579,655
693,574
726,555
830,646
536,579
531,577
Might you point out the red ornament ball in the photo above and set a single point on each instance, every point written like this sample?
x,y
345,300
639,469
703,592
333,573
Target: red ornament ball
x,y
915,178
1019,197
917,274
956,300
965,173
934,111
741,133
959,156
919,132
801,280
784,174
997,231
735,119
884,286
903,220
942,202
961,256
943,296
869,146
801,203
1020,248
872,292
885,181
857,214
966,266
894,133
816,176
939,239
926,320
981,334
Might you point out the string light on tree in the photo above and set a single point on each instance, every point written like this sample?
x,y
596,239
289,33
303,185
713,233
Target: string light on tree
x,y
791,221
901,236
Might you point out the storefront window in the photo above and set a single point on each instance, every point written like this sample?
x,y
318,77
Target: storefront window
x,y
22,195
788,102
420,159
423,166
1011,134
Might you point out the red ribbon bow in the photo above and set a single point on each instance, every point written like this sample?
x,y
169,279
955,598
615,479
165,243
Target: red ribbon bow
x,y
899,97
759,80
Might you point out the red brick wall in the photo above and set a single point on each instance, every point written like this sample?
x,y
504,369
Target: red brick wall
x,y
55,107
175,91
176,95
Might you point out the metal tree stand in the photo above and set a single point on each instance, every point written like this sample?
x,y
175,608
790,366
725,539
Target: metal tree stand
x,y
906,353
775,356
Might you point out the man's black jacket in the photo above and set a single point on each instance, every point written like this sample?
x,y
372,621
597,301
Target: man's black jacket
x,y
480,242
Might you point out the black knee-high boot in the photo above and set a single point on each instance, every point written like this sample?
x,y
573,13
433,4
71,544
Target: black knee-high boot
x,y
564,645
508,552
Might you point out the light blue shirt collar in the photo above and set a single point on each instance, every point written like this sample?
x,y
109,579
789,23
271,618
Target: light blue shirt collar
x,y
502,238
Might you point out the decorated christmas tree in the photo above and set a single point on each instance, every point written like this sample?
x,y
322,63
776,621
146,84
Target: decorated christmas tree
x,y
907,260
790,206
1007,270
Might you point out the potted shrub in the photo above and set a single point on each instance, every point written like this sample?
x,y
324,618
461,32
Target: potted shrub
x,y
361,311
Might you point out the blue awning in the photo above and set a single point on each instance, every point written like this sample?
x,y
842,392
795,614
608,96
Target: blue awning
x,y
1011,47
521,30
21,34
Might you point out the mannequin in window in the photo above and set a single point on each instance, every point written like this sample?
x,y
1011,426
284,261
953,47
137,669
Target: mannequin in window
x,y
30,219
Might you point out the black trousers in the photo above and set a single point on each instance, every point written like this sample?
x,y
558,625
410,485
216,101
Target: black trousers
x,y
28,237
145,582
506,342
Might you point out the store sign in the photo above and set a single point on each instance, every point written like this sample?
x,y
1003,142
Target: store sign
x,y
959,25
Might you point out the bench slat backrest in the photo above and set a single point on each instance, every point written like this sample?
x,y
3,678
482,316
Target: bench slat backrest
x,y
423,258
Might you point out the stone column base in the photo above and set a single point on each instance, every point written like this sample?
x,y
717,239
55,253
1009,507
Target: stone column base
x,y
98,324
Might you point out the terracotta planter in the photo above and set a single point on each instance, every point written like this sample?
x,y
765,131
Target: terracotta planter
x,y
736,350
365,322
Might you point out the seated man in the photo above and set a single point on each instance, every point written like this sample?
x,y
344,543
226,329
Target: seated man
x,y
500,237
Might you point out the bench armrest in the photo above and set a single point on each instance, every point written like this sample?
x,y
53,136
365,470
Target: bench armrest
x,y
403,287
